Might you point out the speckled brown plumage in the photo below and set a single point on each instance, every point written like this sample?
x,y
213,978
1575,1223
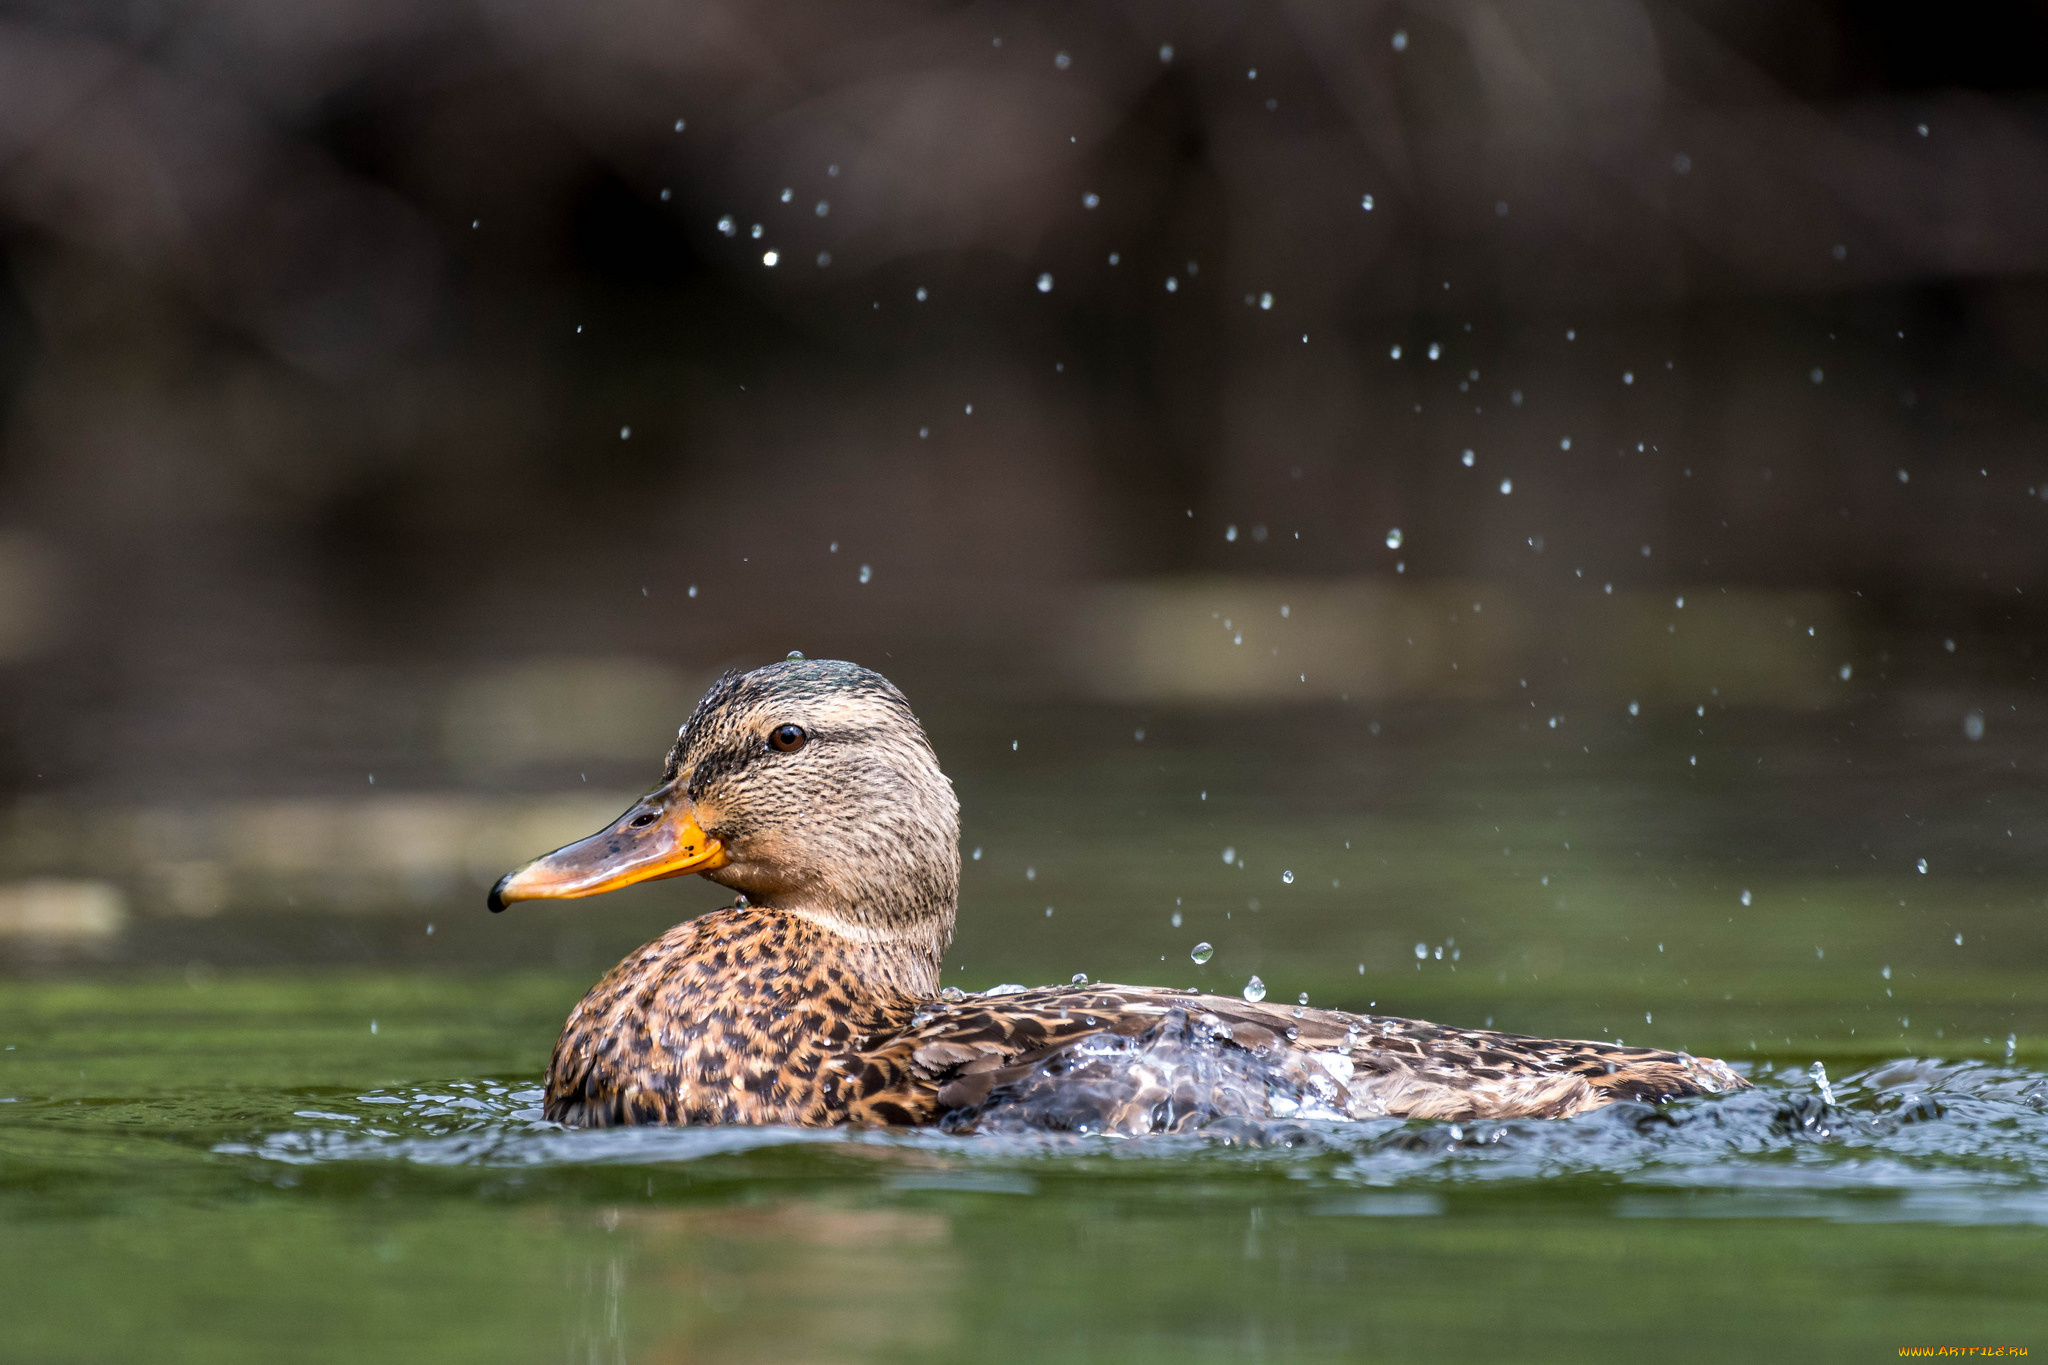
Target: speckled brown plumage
x,y
815,1001
742,1016
708,1025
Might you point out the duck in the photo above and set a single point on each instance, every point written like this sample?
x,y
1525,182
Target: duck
x,y
809,788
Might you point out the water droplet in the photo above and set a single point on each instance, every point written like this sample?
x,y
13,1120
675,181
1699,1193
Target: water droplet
x,y
1288,876
1922,865
1080,978
1745,895
1843,672
1230,533
1395,351
1468,459
1090,200
771,258
1229,855
727,226
822,209
1266,302
1172,285
1635,708
1255,990
625,433
1201,952
794,656
1820,1082
1062,60
1166,52
1435,351
1301,999
1628,376
1400,40
867,573
977,853
1421,951
1507,485
1973,725
693,590
923,293
755,231
1366,203
1815,374
952,993
1886,972
1045,283
1176,919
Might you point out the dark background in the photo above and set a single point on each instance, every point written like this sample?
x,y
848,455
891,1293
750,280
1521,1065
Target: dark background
x,y
380,393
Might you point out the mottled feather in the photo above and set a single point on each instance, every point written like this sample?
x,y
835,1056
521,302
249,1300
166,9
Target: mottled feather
x,y
754,1016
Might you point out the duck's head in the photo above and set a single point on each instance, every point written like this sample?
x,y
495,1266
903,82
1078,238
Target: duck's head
x,y
807,785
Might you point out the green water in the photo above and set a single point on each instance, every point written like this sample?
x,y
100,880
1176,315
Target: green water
x,y
200,1161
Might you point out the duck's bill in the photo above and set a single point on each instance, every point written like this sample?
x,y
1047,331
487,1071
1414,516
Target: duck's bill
x,y
669,844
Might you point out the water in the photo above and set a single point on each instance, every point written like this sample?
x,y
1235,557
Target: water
x,y
195,1196
210,1161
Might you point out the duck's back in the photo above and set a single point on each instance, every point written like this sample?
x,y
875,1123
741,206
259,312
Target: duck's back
x,y
1135,1060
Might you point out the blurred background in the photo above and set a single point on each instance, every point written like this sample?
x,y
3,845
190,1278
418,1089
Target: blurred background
x,y
1527,513
1374,409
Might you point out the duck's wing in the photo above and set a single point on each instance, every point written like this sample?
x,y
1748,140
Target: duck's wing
x,y
955,1052
960,1057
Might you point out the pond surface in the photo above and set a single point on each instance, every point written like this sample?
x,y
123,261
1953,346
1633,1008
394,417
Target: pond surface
x,y
334,1152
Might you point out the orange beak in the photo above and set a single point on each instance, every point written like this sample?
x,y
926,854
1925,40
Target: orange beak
x,y
658,838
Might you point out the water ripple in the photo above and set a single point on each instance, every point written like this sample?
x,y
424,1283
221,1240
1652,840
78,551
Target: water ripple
x,y
1907,1140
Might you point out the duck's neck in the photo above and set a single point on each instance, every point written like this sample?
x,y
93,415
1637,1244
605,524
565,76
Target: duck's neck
x,y
897,911
910,956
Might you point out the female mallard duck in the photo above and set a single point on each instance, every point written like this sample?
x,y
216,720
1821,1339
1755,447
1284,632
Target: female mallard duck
x,y
810,788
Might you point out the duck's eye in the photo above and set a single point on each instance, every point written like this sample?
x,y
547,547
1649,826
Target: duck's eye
x,y
787,739
642,820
